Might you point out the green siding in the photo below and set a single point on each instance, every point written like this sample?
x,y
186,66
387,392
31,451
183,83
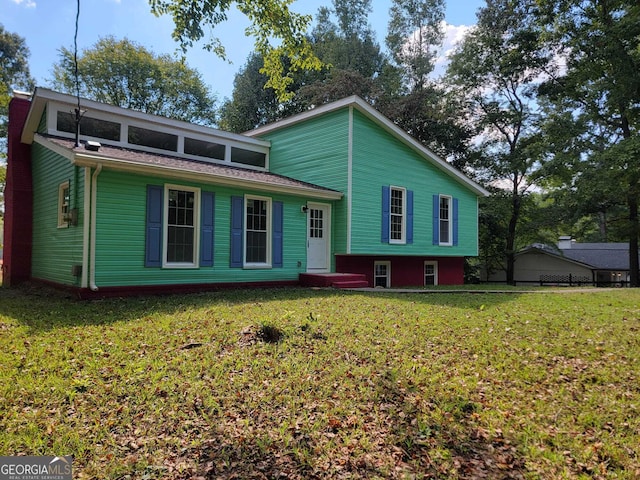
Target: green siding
x,y
121,236
381,159
316,151
42,126
55,250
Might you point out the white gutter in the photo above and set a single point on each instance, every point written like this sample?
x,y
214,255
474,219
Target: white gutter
x,y
84,282
94,210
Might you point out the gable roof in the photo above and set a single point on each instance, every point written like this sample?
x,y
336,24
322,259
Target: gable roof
x,y
596,256
136,161
371,113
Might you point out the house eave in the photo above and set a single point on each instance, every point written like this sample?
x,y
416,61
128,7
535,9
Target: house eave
x,y
371,113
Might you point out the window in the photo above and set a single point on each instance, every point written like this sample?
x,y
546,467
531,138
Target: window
x,y
397,215
152,138
92,127
181,245
430,273
64,208
382,274
248,157
316,223
202,148
257,231
445,220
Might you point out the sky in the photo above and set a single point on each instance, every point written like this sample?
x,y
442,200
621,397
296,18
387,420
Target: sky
x,y
48,25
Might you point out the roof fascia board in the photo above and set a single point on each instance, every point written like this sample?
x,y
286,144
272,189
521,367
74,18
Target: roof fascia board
x,y
42,96
370,112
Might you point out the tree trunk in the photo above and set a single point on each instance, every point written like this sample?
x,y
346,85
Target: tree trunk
x,y
634,267
511,239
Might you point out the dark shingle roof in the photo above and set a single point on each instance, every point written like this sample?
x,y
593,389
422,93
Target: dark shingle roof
x,y
602,256
185,165
598,256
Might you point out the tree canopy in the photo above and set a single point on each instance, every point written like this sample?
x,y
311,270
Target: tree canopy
x,y
279,34
14,74
125,74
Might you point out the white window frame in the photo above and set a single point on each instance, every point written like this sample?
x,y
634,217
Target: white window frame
x,y
64,209
196,227
435,273
386,263
449,199
403,216
269,208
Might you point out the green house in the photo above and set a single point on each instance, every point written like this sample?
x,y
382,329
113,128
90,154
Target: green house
x,y
135,203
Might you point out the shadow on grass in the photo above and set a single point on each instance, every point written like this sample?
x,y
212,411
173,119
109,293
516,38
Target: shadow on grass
x,y
44,308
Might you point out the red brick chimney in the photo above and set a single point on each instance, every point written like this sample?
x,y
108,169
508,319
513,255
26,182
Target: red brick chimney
x,y
18,199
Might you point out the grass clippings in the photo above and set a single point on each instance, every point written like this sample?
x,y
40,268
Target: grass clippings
x,y
341,385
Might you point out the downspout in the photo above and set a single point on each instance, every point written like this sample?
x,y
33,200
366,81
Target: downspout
x,y
94,210
84,282
349,178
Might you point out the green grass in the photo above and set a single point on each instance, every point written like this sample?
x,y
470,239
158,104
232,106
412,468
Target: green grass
x,y
325,384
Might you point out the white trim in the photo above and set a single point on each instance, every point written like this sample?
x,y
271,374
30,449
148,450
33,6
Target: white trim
x,y
387,263
62,221
403,234
350,180
94,214
327,233
370,112
42,96
196,227
435,272
86,232
449,221
269,246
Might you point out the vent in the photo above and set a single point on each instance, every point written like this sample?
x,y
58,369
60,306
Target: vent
x,y
92,146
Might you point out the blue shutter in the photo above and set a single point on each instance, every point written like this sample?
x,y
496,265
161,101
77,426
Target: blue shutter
x,y
455,221
436,219
153,240
278,224
207,204
385,214
409,216
237,216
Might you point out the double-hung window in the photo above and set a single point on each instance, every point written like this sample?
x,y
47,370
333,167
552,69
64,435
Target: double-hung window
x,y
257,231
181,226
445,220
397,216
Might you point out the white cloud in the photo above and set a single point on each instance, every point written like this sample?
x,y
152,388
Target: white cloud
x,y
26,3
453,34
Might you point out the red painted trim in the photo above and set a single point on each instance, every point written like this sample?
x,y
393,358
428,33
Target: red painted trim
x,y
18,201
406,271
141,290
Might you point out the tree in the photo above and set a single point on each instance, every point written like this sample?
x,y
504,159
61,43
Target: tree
x,y
123,73
415,28
279,34
496,69
14,74
251,104
599,44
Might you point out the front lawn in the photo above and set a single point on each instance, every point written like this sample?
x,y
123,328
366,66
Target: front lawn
x,y
313,384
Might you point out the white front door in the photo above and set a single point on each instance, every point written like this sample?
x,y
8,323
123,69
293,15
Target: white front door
x,y
318,237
